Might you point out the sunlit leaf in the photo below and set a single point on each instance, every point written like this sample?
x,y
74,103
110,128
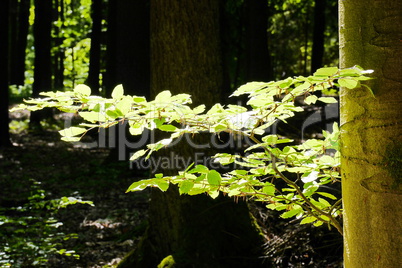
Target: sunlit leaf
x,y
214,177
348,83
328,71
72,131
83,90
118,92
138,154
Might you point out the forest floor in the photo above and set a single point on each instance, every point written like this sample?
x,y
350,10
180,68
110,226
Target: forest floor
x,y
106,231
113,226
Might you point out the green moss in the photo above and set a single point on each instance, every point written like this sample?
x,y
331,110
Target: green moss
x,y
167,262
393,163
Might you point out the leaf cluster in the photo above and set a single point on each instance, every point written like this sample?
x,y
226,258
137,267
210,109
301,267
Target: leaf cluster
x,y
286,177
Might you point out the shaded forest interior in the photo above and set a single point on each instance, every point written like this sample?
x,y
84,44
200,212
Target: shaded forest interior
x,y
58,44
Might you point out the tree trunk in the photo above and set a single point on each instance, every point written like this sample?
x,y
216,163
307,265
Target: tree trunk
x,y
258,60
95,53
195,230
59,56
19,35
4,96
128,47
43,62
370,36
318,35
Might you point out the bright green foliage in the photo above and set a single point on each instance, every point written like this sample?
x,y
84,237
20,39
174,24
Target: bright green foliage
x,y
264,168
29,234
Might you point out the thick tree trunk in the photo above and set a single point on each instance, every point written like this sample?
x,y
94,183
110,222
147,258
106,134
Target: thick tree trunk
x,y
197,231
128,47
370,36
4,36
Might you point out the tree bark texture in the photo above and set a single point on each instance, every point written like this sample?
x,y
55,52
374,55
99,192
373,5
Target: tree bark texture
x,y
371,130
196,230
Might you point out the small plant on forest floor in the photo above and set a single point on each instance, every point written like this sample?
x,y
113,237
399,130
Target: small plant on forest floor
x,y
29,234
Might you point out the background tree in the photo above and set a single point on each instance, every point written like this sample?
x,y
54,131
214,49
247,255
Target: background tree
x,y
19,13
370,35
43,61
128,47
58,48
196,231
258,59
4,95
93,79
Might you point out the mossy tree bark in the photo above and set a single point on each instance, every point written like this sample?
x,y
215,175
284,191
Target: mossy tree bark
x,y
195,230
371,129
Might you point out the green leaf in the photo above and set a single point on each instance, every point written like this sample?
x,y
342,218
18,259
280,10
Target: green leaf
x,y
138,154
72,131
324,202
291,213
118,92
311,99
186,186
270,139
213,194
248,88
269,189
308,220
199,169
199,109
71,139
348,83
139,99
214,177
318,223
167,128
327,99
162,184
124,106
328,195
163,96
328,71
82,89
92,116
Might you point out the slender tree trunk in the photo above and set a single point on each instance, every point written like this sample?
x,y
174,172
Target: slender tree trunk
x,y
43,62
59,56
19,33
95,53
4,96
258,60
318,35
371,127
197,231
